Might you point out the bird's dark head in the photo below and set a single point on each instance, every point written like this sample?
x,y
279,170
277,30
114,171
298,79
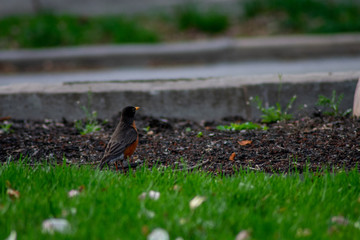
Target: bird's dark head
x,y
128,114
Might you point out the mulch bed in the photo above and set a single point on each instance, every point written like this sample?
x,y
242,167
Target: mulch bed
x,y
314,143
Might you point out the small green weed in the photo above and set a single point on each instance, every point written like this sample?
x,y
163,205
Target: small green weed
x,y
146,129
90,124
211,21
274,113
243,126
333,104
200,134
5,127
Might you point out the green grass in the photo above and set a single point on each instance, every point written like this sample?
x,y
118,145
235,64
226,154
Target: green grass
x,y
309,16
49,30
185,22
268,206
211,21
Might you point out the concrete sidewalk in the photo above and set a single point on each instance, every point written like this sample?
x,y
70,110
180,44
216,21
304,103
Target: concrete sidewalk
x,y
245,68
198,99
206,98
200,52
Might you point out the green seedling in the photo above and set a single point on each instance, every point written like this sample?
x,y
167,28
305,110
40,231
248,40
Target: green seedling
x,y
200,134
333,104
146,129
5,127
243,126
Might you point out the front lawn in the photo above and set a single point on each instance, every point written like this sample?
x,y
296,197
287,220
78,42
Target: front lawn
x,y
110,205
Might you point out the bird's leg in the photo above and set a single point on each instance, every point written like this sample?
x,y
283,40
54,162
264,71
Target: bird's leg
x,y
116,166
122,166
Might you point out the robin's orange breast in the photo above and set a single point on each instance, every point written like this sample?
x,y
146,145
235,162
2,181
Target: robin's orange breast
x,y
131,149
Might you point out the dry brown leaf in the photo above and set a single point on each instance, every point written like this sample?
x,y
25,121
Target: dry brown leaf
x,y
232,156
145,230
244,142
81,188
13,194
177,188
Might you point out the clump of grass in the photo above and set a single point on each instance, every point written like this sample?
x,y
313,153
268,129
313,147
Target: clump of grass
x,y
108,205
274,113
49,30
242,126
90,124
211,21
332,104
311,16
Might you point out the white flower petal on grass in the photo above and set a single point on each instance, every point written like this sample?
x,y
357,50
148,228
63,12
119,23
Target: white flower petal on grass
x,y
357,225
73,193
154,195
52,225
243,235
182,221
339,220
73,211
151,194
12,236
303,232
142,196
158,234
197,201
147,213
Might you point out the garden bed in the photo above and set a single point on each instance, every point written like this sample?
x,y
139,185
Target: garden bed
x,y
315,143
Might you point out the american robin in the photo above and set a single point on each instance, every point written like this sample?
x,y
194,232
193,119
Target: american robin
x,y
123,141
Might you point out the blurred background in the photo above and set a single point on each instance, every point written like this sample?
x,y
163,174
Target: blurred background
x,y
55,23
73,41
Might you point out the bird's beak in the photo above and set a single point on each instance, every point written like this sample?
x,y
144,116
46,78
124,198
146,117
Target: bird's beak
x,y
137,108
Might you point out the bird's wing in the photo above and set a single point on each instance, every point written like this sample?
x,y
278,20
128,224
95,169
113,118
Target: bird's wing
x,y
117,146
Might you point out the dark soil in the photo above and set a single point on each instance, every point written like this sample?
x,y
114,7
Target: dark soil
x,y
314,143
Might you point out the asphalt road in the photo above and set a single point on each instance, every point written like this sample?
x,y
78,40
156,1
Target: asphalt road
x,y
336,64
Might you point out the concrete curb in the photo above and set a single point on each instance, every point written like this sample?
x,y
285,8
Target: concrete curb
x,y
197,99
224,50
